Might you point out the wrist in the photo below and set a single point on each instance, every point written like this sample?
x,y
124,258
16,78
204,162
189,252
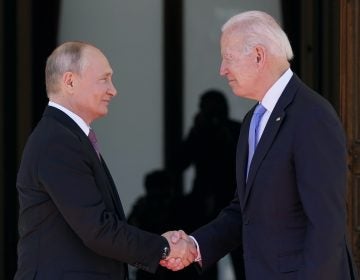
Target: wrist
x,y
198,258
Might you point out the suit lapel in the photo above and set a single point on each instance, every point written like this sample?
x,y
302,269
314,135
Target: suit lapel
x,y
105,182
268,137
272,127
114,193
242,156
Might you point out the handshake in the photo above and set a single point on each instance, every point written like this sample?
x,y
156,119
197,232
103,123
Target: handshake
x,y
183,250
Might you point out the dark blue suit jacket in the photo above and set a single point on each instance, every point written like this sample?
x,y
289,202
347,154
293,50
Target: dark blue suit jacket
x,y
71,221
290,214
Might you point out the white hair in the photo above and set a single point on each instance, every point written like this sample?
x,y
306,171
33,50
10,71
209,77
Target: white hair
x,y
68,57
257,27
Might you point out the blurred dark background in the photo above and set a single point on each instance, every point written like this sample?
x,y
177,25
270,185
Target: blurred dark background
x,y
28,33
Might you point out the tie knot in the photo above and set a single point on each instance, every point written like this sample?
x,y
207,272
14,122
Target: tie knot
x,y
254,134
92,136
94,142
260,110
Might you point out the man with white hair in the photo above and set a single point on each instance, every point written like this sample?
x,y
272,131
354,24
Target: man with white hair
x,y
289,210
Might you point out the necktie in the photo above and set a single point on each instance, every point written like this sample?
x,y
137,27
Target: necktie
x,y
94,142
254,133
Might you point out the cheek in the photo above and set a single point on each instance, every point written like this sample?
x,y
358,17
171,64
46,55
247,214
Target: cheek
x,y
245,74
233,72
239,74
98,93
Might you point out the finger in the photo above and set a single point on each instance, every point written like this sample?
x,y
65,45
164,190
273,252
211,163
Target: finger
x,y
183,235
190,258
169,264
187,261
178,265
175,264
175,237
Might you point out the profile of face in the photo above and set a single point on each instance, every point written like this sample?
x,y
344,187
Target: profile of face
x,y
93,88
240,68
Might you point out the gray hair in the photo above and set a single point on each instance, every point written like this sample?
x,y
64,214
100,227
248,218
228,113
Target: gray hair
x,y
68,57
257,27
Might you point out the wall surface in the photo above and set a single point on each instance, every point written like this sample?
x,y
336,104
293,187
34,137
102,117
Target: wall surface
x,y
129,33
202,31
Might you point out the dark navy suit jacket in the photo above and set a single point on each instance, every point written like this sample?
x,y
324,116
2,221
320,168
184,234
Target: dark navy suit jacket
x,y
71,222
290,214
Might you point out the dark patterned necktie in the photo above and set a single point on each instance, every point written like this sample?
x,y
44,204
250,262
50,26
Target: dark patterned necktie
x,y
94,142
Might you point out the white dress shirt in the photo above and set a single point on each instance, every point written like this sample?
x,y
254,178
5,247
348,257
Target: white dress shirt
x,y
271,98
269,101
79,121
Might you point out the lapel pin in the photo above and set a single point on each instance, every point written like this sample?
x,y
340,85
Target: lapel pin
x,y
278,119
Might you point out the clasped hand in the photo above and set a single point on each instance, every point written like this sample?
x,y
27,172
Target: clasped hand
x,y
182,250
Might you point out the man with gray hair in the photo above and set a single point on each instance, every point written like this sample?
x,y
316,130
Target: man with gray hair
x,y
289,210
71,221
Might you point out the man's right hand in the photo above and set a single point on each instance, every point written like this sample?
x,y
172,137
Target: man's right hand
x,y
183,250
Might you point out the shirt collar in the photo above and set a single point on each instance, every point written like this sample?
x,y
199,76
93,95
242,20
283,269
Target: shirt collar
x,y
79,121
273,94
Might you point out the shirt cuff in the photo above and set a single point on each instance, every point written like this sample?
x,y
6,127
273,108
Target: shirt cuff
x,y
198,258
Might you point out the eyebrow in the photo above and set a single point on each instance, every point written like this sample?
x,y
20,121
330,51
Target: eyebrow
x,y
107,74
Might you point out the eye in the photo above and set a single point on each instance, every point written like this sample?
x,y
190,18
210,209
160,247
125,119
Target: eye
x,y
105,78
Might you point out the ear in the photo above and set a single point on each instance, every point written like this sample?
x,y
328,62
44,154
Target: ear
x,y
260,55
68,81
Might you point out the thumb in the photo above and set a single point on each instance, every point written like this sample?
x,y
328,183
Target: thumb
x,y
183,235
175,237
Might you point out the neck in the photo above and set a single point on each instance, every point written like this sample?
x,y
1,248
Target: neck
x,y
277,69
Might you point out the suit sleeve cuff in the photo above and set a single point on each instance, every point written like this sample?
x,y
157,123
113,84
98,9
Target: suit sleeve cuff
x,y
198,258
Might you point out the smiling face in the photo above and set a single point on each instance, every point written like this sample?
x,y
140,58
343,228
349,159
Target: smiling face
x,y
92,88
240,68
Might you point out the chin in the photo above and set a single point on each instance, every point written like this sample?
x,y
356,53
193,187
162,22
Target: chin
x,y
238,93
102,113
105,110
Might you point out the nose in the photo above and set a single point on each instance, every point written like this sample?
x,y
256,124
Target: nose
x,y
112,90
223,68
